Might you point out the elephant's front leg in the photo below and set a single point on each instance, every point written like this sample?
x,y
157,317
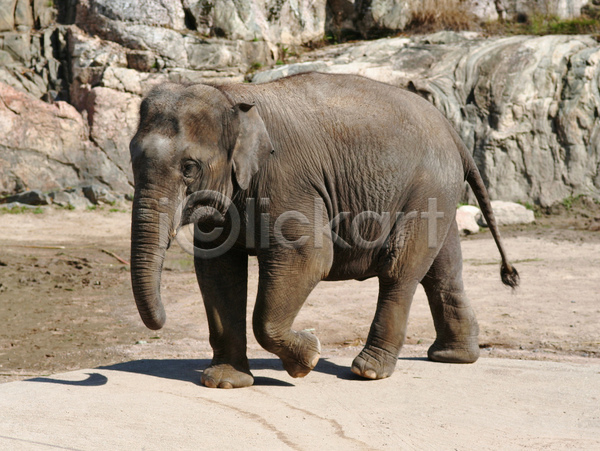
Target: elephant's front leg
x,y
224,284
282,289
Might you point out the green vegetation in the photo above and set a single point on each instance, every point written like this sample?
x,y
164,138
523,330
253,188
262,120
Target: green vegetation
x,y
19,209
542,24
568,202
537,211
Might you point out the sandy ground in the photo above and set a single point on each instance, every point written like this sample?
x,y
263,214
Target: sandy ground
x,y
67,304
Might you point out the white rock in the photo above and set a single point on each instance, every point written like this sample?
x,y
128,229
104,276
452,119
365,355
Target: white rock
x,y
466,218
508,213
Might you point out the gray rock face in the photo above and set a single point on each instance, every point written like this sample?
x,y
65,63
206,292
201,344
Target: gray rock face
x,y
45,147
525,106
293,22
158,13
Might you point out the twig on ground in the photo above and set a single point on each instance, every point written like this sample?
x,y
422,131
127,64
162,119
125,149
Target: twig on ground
x,y
112,254
43,247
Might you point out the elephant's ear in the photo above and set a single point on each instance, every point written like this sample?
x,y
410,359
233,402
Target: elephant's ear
x,y
252,146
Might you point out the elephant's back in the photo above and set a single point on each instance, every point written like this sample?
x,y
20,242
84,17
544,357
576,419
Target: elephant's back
x,y
369,141
346,112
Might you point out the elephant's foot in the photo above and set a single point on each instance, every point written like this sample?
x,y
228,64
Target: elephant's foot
x,y
302,355
466,351
374,363
225,375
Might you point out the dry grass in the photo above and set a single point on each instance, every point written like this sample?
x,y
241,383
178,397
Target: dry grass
x,y
435,15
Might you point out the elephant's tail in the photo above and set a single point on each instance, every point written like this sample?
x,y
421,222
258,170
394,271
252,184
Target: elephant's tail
x,y
508,272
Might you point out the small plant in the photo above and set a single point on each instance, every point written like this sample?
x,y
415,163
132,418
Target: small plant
x,y
255,66
527,205
569,202
279,63
15,210
20,209
91,207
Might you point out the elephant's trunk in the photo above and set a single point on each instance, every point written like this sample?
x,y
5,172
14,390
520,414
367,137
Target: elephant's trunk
x,y
151,227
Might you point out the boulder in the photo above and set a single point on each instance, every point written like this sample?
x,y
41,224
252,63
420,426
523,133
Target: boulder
x,y
71,198
34,197
97,194
466,219
509,213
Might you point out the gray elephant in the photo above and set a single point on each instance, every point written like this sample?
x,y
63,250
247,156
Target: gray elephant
x,y
322,177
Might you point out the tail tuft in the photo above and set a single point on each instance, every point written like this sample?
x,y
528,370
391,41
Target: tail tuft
x,y
509,275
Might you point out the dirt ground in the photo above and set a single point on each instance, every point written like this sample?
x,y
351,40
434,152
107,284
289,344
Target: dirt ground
x,y
66,302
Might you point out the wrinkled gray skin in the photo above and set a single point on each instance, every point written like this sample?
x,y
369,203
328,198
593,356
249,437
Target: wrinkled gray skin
x,y
358,145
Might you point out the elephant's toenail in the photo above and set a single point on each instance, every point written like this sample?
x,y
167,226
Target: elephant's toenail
x,y
370,374
209,383
314,361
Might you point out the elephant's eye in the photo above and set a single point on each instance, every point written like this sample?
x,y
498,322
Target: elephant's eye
x,y
190,169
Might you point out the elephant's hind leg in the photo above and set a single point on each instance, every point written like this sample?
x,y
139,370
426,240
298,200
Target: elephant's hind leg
x,y
379,357
454,320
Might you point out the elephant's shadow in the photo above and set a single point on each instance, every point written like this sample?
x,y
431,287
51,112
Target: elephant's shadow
x,y
190,370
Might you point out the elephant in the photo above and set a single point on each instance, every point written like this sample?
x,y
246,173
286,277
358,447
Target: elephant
x,y
331,177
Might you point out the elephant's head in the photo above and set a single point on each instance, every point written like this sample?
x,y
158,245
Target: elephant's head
x,y
189,139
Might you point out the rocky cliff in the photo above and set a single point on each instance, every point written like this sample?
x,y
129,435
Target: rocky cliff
x,y
527,107
72,74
